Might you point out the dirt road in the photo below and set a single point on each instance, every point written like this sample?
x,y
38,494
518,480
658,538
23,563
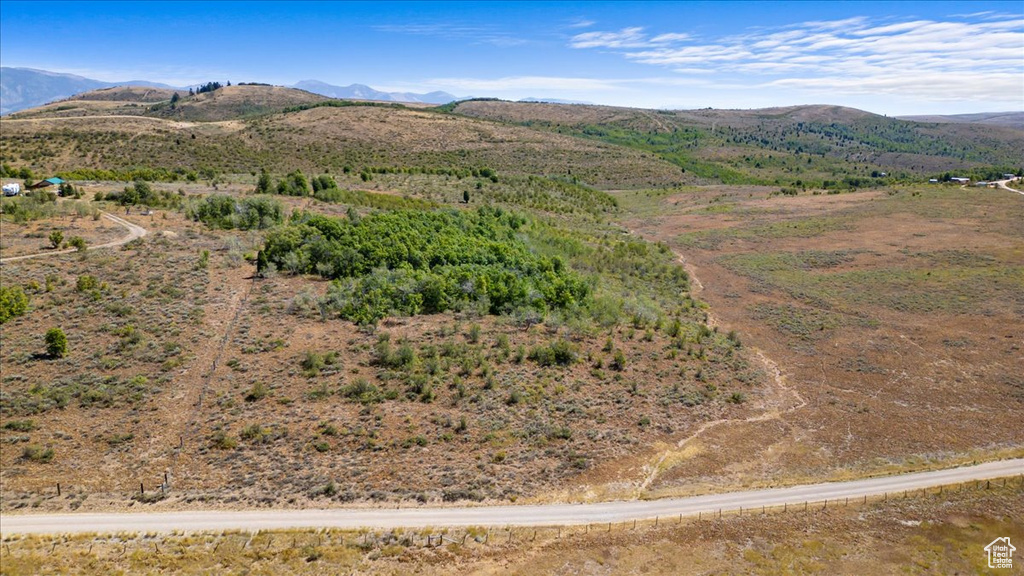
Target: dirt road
x,y
134,231
552,514
1002,184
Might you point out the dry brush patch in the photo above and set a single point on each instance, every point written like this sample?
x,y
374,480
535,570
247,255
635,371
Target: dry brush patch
x,y
245,394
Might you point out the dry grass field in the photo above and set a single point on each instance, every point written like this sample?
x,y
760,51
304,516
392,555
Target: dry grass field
x,y
894,315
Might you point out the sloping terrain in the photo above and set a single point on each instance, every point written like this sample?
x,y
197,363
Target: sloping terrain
x,y
129,94
793,145
69,136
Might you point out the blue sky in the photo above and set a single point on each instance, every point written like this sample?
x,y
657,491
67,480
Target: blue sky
x,y
886,57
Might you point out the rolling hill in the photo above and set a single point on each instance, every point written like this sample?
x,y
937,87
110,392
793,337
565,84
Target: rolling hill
x,y
775,144
22,88
240,129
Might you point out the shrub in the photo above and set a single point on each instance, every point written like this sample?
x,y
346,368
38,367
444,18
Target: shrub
x,y
559,352
13,302
78,243
618,361
362,390
222,441
86,282
56,238
256,434
20,425
37,453
56,343
257,392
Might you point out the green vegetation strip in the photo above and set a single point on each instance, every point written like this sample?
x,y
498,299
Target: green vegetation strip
x,y
423,262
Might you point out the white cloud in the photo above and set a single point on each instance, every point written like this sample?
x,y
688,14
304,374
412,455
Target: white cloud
x,y
980,60
625,38
633,37
513,83
480,34
582,23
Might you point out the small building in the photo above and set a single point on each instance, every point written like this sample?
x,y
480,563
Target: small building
x,y
960,180
933,180
46,183
1009,176
981,184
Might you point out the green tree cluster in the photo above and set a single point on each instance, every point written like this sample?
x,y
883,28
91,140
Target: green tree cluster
x,y
223,211
295,184
142,193
414,262
324,182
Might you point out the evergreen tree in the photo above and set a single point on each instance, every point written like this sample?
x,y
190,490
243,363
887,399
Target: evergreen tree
x,y
56,343
261,263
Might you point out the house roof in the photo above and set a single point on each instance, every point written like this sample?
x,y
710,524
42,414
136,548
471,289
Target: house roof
x,y
54,180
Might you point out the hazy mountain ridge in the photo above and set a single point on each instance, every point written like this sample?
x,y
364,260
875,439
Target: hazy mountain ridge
x,y
364,92
22,88
1008,119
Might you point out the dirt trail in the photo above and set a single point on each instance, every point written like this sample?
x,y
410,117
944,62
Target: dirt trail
x,y
196,386
780,393
1002,184
134,231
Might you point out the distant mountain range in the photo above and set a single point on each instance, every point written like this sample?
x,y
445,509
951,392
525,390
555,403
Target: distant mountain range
x,y
555,101
22,88
363,92
1008,119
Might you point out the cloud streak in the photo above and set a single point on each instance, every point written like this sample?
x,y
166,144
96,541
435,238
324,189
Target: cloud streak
x,y
935,60
479,34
